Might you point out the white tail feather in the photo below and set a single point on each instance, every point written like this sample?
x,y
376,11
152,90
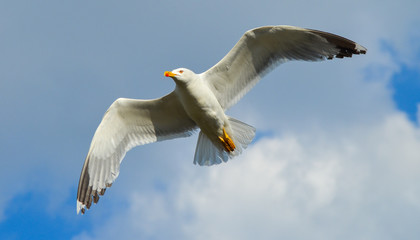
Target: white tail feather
x,y
207,154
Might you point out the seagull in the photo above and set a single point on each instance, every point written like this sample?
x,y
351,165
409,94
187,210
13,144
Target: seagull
x,y
199,102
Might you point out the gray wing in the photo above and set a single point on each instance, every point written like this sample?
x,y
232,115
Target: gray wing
x,y
261,49
126,124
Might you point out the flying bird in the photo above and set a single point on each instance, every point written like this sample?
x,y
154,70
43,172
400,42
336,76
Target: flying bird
x,y
199,102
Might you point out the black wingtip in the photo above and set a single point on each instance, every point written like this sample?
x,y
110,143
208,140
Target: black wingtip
x,y
345,46
85,193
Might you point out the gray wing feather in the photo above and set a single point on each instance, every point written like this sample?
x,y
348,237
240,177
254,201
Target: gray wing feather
x,y
126,124
261,49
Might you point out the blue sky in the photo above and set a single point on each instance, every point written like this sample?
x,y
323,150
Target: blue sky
x,y
406,87
338,154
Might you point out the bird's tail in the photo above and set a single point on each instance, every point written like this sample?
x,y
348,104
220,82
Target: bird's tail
x,y
207,154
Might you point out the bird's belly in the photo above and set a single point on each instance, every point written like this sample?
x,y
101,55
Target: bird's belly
x,y
208,117
206,112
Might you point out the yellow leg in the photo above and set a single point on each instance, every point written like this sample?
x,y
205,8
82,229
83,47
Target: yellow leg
x,y
227,142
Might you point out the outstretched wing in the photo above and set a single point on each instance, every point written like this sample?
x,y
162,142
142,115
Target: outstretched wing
x,y
126,124
261,49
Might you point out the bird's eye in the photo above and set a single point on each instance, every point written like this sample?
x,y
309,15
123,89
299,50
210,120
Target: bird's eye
x,y
181,71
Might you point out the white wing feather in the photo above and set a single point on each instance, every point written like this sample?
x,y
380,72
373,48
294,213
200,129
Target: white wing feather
x,y
263,48
126,124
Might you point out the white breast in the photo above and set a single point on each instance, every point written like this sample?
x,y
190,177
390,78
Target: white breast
x,y
202,106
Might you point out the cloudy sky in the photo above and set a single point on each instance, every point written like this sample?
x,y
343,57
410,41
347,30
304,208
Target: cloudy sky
x,y
337,153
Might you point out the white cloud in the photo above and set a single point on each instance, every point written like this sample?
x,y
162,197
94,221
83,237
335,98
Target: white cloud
x,y
297,184
357,186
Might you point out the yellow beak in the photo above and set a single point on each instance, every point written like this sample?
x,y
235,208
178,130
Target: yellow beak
x,y
169,74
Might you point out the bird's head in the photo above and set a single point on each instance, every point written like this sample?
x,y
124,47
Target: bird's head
x,y
181,75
